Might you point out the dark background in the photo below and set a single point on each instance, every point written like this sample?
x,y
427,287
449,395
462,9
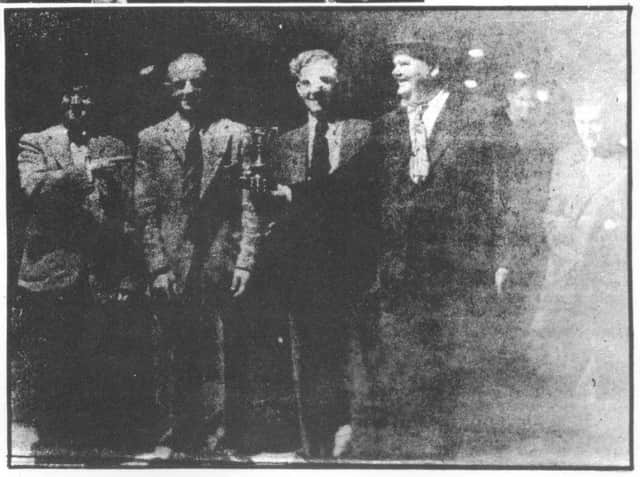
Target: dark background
x,y
248,51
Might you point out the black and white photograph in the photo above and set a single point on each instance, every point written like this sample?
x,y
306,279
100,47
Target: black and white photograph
x,y
318,236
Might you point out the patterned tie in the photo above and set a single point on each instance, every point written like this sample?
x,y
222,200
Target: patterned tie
x,y
320,165
419,162
192,171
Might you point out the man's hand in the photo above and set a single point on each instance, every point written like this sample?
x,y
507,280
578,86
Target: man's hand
x,y
164,284
500,278
239,281
122,296
79,180
282,191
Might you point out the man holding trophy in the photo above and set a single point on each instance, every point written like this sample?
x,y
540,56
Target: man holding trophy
x,y
320,178
200,231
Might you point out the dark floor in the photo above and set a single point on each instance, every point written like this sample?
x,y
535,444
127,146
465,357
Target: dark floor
x,y
507,413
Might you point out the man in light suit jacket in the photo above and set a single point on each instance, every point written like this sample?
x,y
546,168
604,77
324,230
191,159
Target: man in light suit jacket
x,y
200,232
580,320
77,181
321,177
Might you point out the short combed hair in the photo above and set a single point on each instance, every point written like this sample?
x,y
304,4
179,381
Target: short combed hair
x,y
189,58
310,56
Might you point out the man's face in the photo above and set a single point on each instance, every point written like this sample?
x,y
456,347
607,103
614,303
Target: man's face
x,y
588,119
76,105
186,79
411,74
520,104
317,86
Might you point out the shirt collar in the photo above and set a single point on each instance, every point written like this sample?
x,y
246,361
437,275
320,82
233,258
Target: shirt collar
x,y
313,121
414,107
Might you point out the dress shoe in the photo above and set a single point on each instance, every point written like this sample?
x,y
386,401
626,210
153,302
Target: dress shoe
x,y
159,453
342,440
277,458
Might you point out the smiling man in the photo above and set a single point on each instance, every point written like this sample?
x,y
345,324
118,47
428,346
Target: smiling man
x,y
440,217
320,175
200,231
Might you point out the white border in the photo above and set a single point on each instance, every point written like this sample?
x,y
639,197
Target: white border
x,y
635,144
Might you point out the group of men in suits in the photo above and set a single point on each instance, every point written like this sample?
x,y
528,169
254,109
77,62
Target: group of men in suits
x,y
391,227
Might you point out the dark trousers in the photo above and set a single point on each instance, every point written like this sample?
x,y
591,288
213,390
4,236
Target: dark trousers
x,y
203,379
320,342
44,344
413,379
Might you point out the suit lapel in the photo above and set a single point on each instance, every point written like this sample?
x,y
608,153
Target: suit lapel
x,y
211,158
60,149
299,150
351,138
441,137
175,137
404,138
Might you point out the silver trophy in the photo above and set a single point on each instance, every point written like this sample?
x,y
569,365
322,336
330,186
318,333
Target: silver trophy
x,y
257,177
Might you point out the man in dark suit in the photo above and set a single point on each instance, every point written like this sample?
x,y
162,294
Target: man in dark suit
x,y
439,156
200,232
318,170
77,181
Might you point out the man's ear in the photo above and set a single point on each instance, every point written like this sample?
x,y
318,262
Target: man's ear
x,y
435,71
299,88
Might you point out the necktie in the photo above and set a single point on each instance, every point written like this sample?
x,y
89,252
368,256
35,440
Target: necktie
x,y
320,165
192,170
419,162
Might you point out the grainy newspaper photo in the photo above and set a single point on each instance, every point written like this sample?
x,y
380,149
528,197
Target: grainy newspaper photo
x,y
318,236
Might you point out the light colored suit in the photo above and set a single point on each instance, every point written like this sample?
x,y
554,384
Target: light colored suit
x,y
582,310
201,243
228,230
68,220
74,245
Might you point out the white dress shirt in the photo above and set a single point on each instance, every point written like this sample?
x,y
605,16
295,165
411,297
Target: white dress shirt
x,y
79,154
334,136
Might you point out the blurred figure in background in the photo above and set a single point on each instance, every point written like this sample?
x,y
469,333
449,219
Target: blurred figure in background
x,y
528,179
581,321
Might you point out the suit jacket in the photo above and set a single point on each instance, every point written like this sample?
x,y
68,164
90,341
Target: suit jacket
x,y
438,239
580,209
317,233
68,222
582,310
222,232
